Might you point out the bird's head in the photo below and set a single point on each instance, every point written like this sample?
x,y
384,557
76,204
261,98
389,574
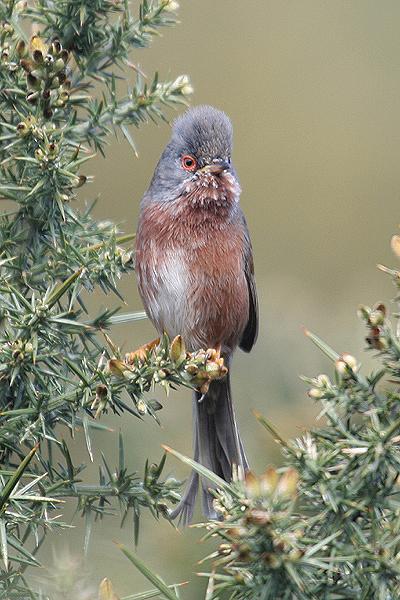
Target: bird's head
x,y
197,157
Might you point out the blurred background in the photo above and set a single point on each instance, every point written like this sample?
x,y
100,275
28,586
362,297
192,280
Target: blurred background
x,y
312,89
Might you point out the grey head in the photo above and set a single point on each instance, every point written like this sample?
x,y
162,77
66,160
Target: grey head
x,y
201,142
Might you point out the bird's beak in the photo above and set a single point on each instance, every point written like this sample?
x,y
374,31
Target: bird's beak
x,y
216,168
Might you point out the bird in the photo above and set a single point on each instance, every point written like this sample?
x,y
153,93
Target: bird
x,y
195,274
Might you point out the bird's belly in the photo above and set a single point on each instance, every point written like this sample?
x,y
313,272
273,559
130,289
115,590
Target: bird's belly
x,y
169,285
200,298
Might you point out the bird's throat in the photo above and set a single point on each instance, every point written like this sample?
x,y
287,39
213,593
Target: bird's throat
x,y
216,194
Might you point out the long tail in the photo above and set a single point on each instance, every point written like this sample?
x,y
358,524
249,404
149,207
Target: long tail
x,y
217,446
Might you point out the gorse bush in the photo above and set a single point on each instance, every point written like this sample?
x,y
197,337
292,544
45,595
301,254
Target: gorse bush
x,y
58,368
328,528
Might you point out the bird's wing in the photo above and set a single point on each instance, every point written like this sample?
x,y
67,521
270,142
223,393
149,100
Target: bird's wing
x,y
251,330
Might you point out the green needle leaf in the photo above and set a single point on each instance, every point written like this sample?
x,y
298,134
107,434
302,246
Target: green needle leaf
x,y
12,482
201,470
152,577
321,345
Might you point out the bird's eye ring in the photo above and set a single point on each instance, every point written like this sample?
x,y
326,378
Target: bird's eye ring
x,y
189,163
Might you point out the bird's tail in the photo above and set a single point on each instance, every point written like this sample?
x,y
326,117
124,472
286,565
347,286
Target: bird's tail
x,y
217,446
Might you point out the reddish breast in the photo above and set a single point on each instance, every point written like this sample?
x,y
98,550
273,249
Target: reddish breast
x,y
198,287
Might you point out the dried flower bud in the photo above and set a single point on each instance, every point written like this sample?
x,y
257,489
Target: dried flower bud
x,y
102,391
205,387
17,344
20,49
59,103
27,64
155,404
381,307
61,77
101,400
224,549
295,554
55,48
51,149
375,339
272,560
33,82
81,180
141,99
199,379
22,129
47,112
38,57
7,28
64,54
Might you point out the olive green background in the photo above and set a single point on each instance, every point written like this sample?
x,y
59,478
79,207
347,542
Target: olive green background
x,y
312,89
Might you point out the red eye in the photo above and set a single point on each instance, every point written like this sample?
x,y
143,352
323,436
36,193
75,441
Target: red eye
x,y
189,163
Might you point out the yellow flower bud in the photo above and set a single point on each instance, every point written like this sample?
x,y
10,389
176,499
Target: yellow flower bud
x,y
269,481
323,380
287,485
177,350
107,591
346,365
216,370
315,393
141,407
364,312
251,484
349,360
36,43
171,6
376,318
119,369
